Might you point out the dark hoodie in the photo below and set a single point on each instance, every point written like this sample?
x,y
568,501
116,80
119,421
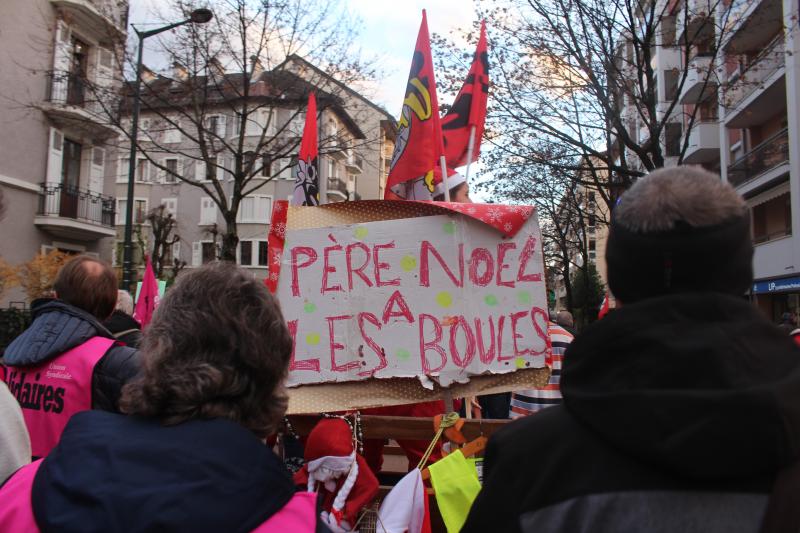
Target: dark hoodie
x,y
58,327
678,412
112,473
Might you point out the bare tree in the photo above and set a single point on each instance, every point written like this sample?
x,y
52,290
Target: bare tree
x,y
233,108
163,225
581,77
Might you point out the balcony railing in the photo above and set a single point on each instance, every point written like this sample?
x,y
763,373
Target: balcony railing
x,y
769,154
337,185
769,61
66,88
70,202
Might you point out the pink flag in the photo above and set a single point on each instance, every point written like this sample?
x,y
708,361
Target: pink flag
x,y
148,296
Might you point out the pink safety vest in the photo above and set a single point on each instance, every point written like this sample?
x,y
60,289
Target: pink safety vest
x,y
16,512
51,392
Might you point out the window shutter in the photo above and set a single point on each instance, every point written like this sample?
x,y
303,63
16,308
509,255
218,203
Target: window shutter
x,y
199,170
97,172
197,251
55,157
176,250
221,126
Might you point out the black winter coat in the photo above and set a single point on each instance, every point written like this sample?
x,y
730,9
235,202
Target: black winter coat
x,y
125,328
58,327
678,412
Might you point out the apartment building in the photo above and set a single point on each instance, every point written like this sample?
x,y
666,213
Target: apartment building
x,y
373,154
60,69
737,115
585,217
168,141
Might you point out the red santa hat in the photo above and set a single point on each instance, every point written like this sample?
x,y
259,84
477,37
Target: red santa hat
x,y
348,484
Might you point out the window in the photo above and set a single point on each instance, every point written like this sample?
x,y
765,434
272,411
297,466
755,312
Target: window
x,y
246,253
208,252
673,138
255,209
208,211
170,205
139,211
212,168
249,161
592,245
170,175
266,165
142,169
262,253
215,125
772,219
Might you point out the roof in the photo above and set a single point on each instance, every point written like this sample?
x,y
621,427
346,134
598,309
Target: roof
x,y
277,88
300,59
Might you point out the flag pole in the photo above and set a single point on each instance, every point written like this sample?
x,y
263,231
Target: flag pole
x,y
443,164
470,149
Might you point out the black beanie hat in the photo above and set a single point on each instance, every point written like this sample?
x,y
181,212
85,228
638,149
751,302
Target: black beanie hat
x,y
684,259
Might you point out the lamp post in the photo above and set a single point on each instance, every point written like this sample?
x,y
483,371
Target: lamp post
x,y
198,16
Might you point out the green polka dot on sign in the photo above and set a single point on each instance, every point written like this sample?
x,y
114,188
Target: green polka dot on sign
x,y
360,233
449,227
408,263
444,299
309,307
312,339
524,297
519,362
490,299
403,354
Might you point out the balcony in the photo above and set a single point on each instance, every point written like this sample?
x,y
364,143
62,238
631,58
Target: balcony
x,y
74,213
354,164
694,21
666,58
337,190
90,18
703,145
701,80
72,102
759,92
750,24
768,155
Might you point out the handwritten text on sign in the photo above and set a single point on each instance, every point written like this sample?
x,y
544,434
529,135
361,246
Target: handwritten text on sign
x,y
440,296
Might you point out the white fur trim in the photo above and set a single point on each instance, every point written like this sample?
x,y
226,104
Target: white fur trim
x,y
344,492
328,469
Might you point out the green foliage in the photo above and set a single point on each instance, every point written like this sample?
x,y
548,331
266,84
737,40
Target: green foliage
x,y
587,294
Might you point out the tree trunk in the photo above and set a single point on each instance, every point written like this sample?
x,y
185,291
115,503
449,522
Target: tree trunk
x,y
230,240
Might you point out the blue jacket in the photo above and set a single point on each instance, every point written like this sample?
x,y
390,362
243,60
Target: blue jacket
x,y
58,327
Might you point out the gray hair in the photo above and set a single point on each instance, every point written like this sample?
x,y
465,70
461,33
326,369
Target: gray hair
x,y
670,195
564,318
124,302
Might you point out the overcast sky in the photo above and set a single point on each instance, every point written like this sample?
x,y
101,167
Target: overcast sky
x,y
389,32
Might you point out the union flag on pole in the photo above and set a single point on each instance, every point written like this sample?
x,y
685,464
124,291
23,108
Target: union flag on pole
x,y
306,172
469,109
419,135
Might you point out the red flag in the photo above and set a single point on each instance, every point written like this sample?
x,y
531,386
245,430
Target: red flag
x,y
306,172
148,296
469,109
419,136
603,307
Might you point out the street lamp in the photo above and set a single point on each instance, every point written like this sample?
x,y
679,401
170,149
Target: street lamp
x,y
198,16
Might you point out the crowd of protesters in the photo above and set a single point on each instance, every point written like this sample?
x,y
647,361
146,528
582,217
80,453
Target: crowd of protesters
x,y
680,410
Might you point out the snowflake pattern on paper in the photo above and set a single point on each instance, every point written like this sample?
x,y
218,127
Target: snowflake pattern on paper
x,y
493,215
508,226
279,229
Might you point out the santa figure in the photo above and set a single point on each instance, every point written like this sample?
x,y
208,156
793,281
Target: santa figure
x,y
335,470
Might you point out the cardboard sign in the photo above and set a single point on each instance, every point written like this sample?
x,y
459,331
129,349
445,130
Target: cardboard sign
x,y
441,297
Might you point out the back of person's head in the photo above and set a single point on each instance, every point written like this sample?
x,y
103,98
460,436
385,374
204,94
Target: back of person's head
x,y
678,230
564,318
124,302
88,284
217,346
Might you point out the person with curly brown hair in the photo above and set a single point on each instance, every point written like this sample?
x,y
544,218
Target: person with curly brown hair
x,y
190,455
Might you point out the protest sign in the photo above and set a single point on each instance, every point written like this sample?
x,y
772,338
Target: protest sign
x,y
441,297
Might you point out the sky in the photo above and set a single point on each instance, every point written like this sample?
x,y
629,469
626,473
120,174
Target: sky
x,y
387,33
